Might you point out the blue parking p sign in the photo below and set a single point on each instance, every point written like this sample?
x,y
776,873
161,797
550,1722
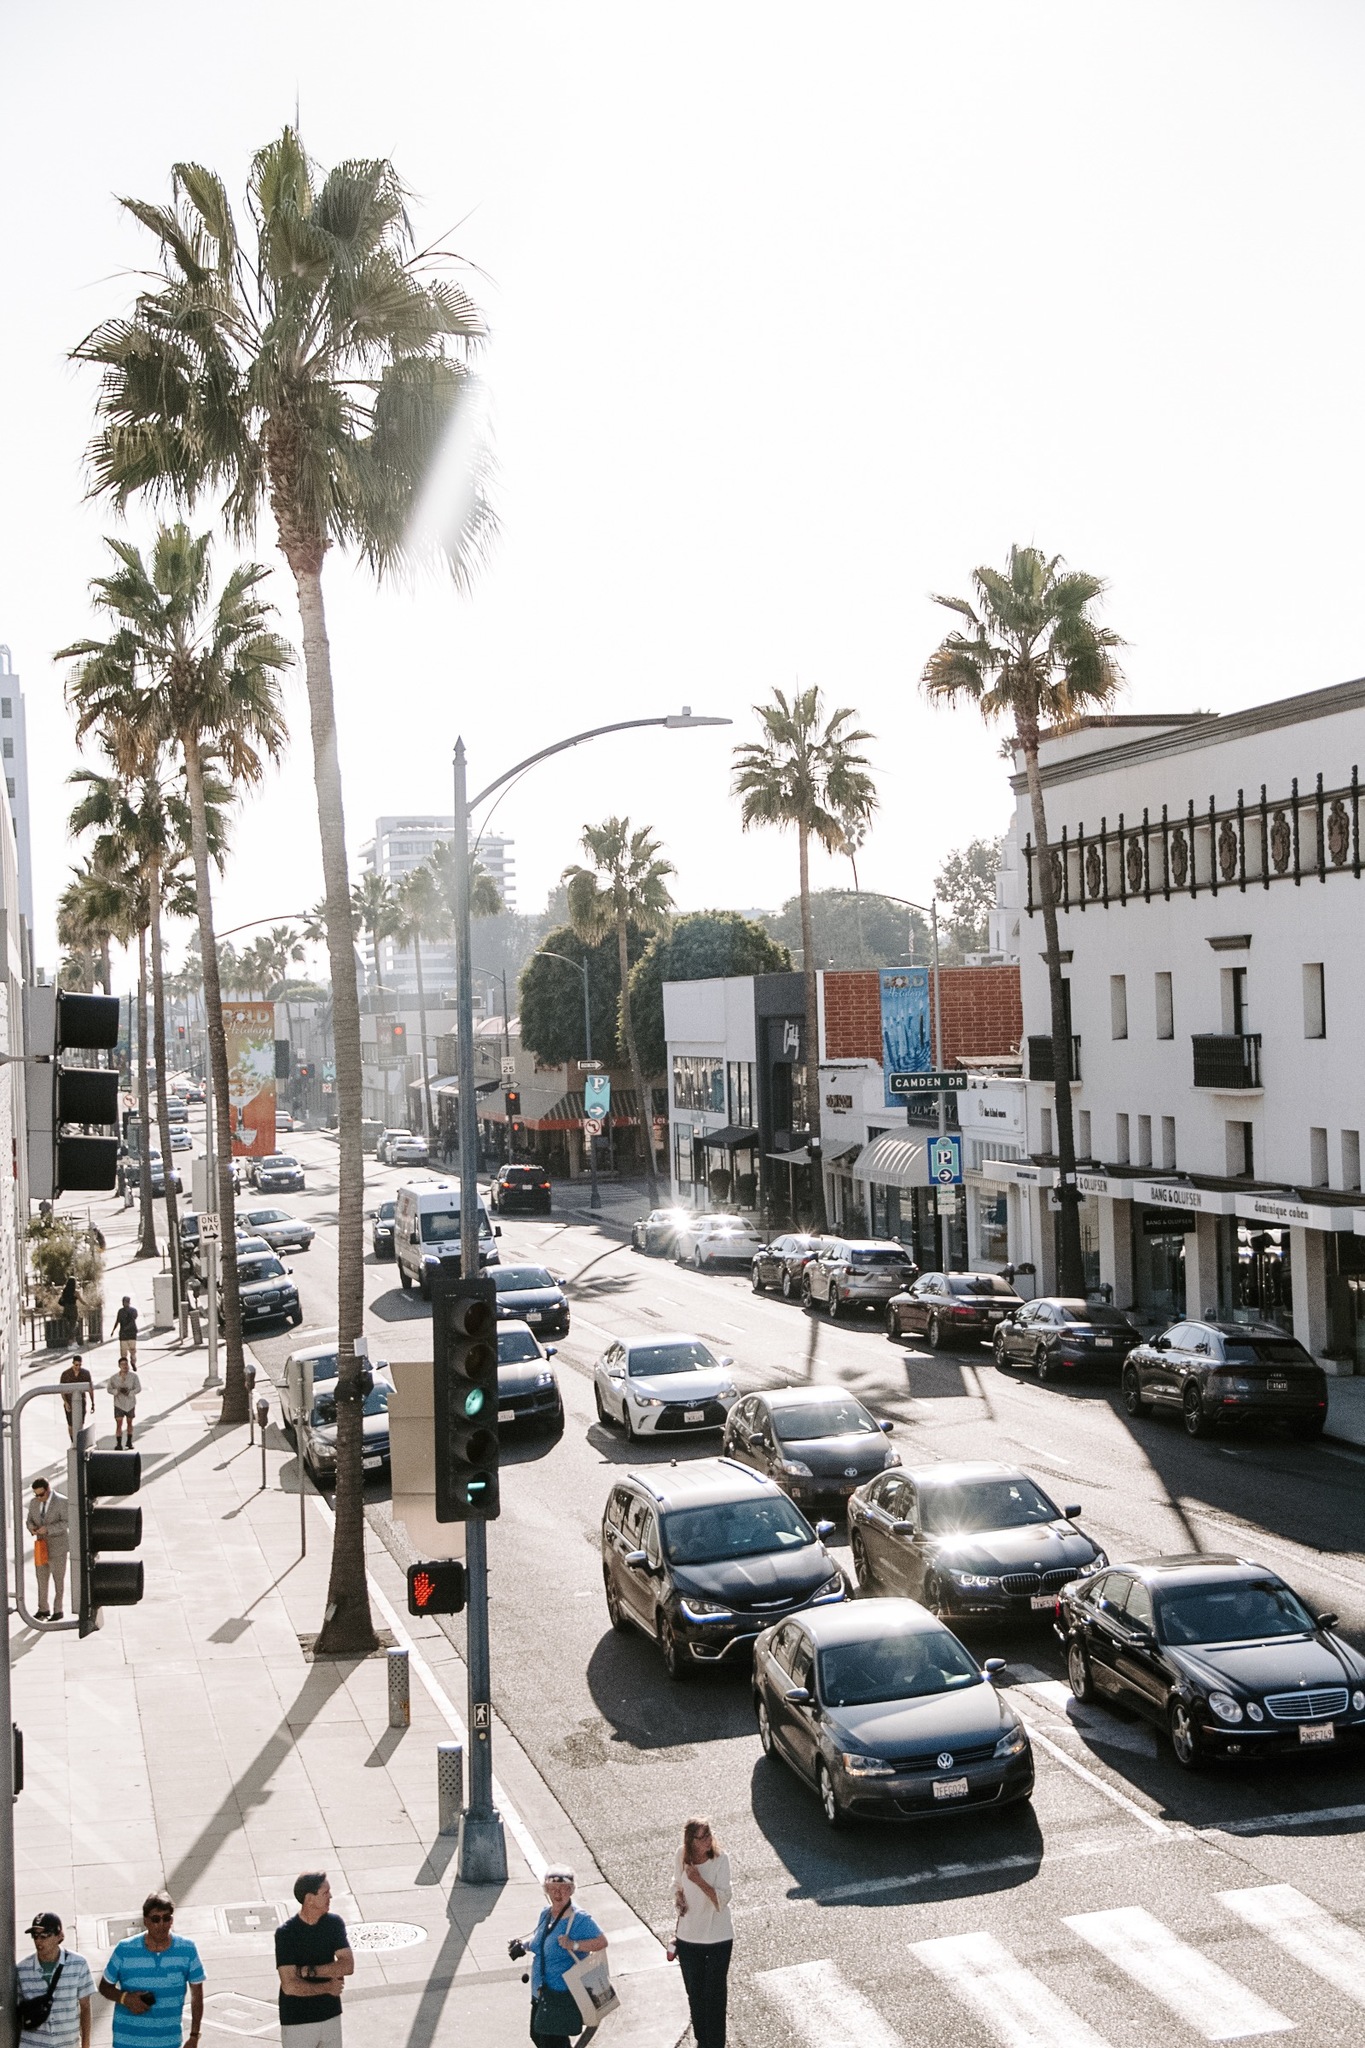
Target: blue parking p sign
x,y
945,1160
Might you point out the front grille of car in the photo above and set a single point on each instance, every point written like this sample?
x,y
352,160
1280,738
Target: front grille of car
x,y
1318,1704
713,1416
981,1753
376,1447
1039,1582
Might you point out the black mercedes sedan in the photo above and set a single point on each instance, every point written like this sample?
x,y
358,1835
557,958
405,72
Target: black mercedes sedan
x,y
818,1443
1058,1335
887,1714
533,1296
1219,1652
1216,1374
967,1540
527,1388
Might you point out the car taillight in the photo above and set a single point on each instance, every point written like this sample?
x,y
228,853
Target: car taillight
x,y
964,1314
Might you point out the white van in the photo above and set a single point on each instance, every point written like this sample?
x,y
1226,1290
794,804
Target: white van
x,y
426,1231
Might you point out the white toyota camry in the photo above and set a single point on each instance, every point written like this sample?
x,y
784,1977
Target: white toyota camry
x,y
663,1386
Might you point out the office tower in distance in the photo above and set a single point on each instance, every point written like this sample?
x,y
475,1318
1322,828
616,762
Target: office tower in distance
x,y
14,746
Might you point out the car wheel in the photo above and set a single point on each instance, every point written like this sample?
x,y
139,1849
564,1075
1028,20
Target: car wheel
x,y
1002,1357
1180,1726
765,1726
676,1662
696,1259
934,1334
933,1597
832,1305
1133,1398
1042,1363
296,1318
893,1328
424,1287
404,1279
632,1434
835,1816
555,1426
1078,1672
807,1299
861,1568
616,1614
602,1414
788,1285
1196,1421
756,1281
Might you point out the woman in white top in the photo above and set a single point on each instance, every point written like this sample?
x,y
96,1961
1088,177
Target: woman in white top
x,y
701,1893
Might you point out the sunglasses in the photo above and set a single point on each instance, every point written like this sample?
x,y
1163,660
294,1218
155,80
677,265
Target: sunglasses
x,y
158,1916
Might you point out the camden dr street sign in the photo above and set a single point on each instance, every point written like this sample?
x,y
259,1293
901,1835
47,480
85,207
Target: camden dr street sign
x,y
951,1083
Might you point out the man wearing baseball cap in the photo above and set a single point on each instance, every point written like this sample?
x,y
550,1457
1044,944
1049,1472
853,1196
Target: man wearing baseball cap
x,y
57,1976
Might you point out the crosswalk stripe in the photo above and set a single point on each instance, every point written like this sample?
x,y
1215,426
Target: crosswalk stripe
x,y
1020,2010
1197,1990
825,2011
1306,1931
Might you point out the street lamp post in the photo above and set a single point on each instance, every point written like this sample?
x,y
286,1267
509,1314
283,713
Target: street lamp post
x,y
482,1853
582,966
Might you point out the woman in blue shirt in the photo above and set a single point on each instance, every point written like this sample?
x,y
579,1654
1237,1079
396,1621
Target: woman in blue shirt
x,y
562,1936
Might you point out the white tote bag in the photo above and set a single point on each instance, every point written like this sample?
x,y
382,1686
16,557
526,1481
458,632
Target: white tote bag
x,y
590,1982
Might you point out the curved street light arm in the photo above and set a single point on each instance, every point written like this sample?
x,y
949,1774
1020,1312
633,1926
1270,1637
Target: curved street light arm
x,y
677,721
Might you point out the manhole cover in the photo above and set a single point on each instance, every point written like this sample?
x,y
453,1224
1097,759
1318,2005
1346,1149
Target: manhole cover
x,y
376,1934
252,1919
120,1927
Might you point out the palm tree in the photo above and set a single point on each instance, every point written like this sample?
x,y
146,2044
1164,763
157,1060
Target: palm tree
x,y
375,909
282,948
421,915
203,677
1034,655
318,369
807,772
484,897
84,912
626,885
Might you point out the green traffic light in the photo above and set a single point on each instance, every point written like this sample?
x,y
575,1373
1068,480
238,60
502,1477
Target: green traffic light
x,y
473,1401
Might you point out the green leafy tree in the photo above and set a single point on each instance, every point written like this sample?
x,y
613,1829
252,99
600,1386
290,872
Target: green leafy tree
x,y
550,998
965,886
1033,654
694,948
315,367
851,928
625,890
422,915
806,773
375,908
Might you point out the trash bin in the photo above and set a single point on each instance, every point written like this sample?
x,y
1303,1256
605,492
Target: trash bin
x,y
163,1302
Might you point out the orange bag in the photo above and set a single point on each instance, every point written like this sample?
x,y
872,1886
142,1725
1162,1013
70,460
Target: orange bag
x,y
40,1550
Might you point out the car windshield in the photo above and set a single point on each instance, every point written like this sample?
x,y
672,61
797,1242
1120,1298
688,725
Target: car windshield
x,y
877,1259
823,1418
325,1406
977,1283
251,1270
324,1367
516,1346
521,1279
735,1528
895,1667
1264,1351
279,1159
1232,1614
985,1504
256,1217
384,1213
651,1361
442,1226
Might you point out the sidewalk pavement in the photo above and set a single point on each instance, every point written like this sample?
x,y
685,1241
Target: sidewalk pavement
x,y
194,1743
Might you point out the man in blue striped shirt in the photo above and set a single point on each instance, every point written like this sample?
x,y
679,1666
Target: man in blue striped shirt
x,y
146,1978
68,2020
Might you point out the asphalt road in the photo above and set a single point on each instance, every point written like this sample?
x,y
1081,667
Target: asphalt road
x,y
1130,1904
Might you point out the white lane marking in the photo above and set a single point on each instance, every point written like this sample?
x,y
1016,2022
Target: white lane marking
x,y
825,2011
1043,1452
1018,2007
1196,1989
441,1700
1267,1823
1306,1931
1111,1792
1094,1723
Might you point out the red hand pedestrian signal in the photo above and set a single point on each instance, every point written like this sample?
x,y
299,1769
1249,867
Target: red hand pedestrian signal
x,y
436,1588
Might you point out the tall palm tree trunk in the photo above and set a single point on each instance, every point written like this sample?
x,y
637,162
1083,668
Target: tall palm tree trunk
x,y
812,1045
163,1114
347,1625
106,971
422,1029
235,1402
636,1072
1071,1267
146,1243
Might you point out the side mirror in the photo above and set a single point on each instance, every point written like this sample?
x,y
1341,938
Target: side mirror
x,y
1072,1512
1162,1344
885,1428
636,1559
1327,1621
797,1696
992,1665
725,1360
902,1528
551,1350
497,1230
823,1529
369,1215
616,1372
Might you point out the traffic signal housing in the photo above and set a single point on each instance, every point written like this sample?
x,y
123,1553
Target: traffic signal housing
x,y
512,1101
464,1328
96,1582
60,1159
437,1588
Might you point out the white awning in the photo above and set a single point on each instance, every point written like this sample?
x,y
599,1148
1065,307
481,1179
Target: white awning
x,y
1016,1173
893,1161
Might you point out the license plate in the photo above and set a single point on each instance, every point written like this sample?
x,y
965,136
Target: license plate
x,y
950,1788
994,1315
507,1415
694,1415
533,1315
371,1464
1043,1600
1278,1386
1317,1731
1104,1343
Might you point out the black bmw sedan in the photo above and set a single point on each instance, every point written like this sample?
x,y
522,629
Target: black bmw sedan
x,y
533,1296
967,1540
887,1714
1215,1375
1057,1335
818,1443
1219,1652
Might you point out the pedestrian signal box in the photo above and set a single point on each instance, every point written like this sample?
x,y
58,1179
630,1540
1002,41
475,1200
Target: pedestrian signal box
x,y
437,1588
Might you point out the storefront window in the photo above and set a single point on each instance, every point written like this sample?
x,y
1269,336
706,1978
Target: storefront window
x,y
684,1153
1158,1265
1088,1212
740,1078
698,1083
1255,1277
1346,1299
992,1226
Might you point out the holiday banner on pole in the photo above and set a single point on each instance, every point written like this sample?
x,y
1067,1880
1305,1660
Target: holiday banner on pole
x,y
906,1038
250,1032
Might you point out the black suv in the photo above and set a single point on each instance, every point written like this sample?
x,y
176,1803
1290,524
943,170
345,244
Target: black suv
x,y
703,1556
520,1187
1216,1374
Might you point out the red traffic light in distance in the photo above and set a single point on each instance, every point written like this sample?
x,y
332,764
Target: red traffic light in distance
x,y
437,1588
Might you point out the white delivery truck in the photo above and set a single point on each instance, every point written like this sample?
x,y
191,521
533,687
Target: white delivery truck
x,y
426,1232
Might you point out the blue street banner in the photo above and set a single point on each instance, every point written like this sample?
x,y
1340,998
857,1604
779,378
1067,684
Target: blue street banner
x,y
906,1045
597,1095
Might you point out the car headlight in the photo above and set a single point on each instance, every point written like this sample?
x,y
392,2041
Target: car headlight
x,y
1096,1564
1013,1742
833,1588
705,1610
978,1580
1225,1706
797,1468
892,1458
859,1766
647,1400
1255,1713
727,1392
1358,1701
545,1379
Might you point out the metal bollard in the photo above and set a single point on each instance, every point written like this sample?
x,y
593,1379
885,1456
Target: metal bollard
x,y
449,1787
400,1696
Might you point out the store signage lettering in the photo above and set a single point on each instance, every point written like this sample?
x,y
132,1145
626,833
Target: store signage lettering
x,y
838,1102
1281,1212
984,1109
1175,1198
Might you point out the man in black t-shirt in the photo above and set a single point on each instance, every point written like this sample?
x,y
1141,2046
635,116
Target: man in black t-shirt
x,y
313,1961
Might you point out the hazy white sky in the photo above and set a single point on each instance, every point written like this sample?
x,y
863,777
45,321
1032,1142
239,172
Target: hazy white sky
x,y
798,314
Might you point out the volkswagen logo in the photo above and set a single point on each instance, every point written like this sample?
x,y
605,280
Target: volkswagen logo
x,y
944,1759
850,1471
